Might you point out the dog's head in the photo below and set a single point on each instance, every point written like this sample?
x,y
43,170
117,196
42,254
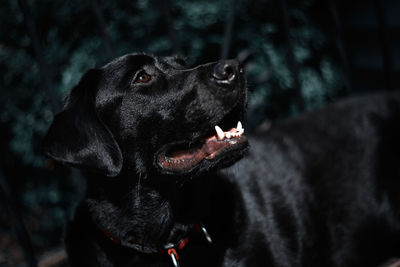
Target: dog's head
x,y
146,114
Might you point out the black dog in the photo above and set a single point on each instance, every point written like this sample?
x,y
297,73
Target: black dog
x,y
322,189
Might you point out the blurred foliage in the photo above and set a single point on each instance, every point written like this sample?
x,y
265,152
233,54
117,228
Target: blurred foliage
x,y
72,43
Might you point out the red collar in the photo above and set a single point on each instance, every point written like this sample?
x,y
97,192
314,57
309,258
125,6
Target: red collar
x,y
170,249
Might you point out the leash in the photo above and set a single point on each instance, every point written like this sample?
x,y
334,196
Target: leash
x,y
170,249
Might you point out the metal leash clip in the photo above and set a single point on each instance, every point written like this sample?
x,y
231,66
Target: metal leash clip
x,y
172,248
206,234
174,257
172,253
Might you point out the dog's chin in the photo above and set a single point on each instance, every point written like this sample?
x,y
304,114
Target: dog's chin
x,y
215,151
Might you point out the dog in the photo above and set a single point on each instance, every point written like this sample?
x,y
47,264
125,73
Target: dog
x,y
172,180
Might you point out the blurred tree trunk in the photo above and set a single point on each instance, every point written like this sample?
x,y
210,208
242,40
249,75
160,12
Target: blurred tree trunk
x,y
170,26
105,33
19,227
290,54
346,75
384,42
228,31
45,73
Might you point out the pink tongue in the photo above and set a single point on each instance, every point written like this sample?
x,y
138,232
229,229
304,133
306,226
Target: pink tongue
x,y
185,154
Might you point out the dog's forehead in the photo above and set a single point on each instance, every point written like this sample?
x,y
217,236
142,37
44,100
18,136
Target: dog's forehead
x,y
137,61
172,62
134,61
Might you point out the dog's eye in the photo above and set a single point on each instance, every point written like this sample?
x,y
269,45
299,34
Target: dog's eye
x,y
142,77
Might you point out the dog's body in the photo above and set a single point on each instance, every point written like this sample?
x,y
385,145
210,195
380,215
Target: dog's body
x,y
327,184
318,190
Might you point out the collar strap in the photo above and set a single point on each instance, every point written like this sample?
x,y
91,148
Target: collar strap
x,y
170,249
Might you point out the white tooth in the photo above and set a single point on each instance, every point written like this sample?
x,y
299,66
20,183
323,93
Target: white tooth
x,y
228,135
220,133
241,132
239,126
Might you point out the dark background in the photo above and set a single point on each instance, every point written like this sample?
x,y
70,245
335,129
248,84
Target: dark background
x,y
298,54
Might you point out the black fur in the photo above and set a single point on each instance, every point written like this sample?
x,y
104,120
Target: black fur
x,y
321,189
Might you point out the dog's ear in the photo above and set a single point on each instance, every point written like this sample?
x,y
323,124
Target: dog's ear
x,y
78,137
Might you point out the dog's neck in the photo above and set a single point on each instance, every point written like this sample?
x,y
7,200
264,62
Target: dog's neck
x,y
154,212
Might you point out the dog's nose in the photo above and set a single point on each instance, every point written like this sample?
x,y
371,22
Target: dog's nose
x,y
225,71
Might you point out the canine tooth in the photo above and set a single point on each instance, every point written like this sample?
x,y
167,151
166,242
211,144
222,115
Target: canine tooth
x,y
220,133
228,135
239,126
241,131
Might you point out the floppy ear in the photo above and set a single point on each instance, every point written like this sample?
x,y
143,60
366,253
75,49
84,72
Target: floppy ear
x,y
78,137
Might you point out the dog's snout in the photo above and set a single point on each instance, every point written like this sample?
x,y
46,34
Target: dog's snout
x,y
226,71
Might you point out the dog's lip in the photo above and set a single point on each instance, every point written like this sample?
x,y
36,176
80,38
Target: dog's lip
x,y
173,159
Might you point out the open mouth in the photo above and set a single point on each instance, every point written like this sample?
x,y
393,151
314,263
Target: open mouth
x,y
184,157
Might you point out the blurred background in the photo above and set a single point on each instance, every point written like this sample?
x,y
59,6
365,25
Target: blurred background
x,y
298,55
